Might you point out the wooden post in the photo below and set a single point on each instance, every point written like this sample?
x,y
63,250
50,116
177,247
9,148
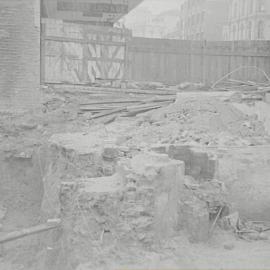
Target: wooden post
x,y
42,52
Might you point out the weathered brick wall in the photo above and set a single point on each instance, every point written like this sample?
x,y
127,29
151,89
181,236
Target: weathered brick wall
x,y
19,54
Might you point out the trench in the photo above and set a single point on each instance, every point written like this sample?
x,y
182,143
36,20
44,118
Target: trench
x,y
21,196
31,187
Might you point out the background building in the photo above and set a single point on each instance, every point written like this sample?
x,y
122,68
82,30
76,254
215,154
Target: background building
x,y
154,19
144,23
105,12
203,19
248,20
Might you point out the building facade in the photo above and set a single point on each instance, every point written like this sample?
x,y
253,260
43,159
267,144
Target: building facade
x,y
98,12
203,19
143,23
248,20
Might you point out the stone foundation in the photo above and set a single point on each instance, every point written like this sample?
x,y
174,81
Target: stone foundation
x,y
144,200
138,205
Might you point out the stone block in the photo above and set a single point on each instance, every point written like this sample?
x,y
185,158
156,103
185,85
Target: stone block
x,y
71,157
159,182
3,212
246,173
196,219
110,153
198,164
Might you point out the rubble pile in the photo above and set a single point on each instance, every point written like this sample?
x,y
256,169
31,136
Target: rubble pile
x,y
145,200
201,120
137,183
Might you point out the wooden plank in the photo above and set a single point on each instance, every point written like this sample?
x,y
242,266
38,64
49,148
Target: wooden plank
x,y
82,41
134,112
106,59
50,225
95,29
112,112
42,55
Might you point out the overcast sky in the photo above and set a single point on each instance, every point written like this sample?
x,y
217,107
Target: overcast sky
x,y
157,6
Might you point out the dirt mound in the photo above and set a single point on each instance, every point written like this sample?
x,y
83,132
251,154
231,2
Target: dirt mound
x,y
206,120
214,115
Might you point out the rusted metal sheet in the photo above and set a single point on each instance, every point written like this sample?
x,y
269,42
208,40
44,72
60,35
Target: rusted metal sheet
x,y
80,54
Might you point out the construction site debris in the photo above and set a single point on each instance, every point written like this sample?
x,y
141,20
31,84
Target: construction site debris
x,y
3,212
199,119
247,230
207,201
50,225
248,91
176,171
132,108
239,69
229,246
137,206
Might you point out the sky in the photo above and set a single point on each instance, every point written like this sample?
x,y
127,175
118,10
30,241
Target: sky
x,y
157,6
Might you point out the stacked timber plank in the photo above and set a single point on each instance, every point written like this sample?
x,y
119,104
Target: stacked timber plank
x,y
235,85
126,108
96,102
125,102
249,90
103,102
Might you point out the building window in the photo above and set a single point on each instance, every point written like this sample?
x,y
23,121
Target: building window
x,y
249,30
198,18
202,16
260,30
246,8
251,7
235,10
238,31
200,36
261,6
243,8
241,34
234,32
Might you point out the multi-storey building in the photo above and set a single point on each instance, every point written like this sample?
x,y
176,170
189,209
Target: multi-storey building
x,y
248,20
203,19
88,11
143,23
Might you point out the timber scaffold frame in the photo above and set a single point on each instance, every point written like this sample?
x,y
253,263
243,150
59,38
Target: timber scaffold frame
x,y
74,53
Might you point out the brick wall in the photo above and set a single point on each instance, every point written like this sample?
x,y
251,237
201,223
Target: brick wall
x,y
19,54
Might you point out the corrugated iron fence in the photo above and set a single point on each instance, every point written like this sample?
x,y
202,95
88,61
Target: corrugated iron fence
x,y
81,53
175,61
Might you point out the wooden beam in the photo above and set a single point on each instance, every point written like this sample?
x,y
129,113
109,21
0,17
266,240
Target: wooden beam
x,y
84,41
50,225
